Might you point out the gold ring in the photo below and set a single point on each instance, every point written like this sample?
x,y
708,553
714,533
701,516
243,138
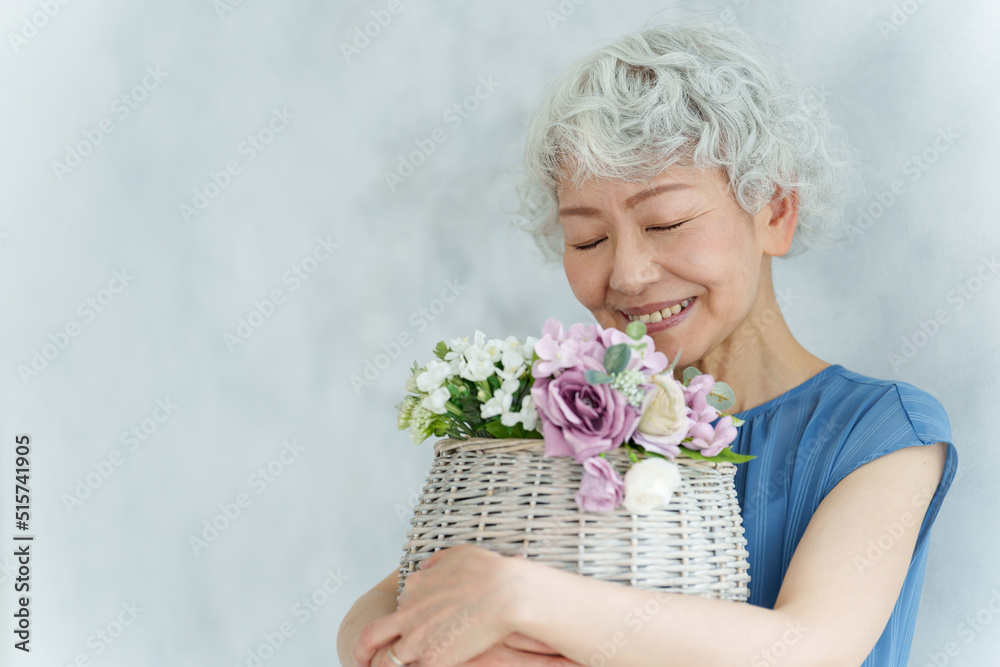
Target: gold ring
x,y
395,660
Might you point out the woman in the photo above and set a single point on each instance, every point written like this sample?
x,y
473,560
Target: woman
x,y
678,162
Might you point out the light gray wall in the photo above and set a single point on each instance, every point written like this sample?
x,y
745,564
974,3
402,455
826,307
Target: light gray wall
x,y
63,235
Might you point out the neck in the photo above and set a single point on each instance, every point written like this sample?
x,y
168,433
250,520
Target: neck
x,y
761,359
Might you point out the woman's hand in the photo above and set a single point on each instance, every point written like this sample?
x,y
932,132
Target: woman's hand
x,y
459,604
517,650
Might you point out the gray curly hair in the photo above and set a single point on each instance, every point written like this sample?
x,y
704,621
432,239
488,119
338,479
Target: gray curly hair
x,y
707,96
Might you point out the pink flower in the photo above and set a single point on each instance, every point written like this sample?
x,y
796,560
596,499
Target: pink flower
x,y
580,419
602,488
558,350
648,360
696,394
712,441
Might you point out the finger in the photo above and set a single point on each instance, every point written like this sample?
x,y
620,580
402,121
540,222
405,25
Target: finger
x,y
503,656
381,659
516,640
378,634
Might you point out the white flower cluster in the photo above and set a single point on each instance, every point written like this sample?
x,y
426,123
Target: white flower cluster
x,y
629,383
477,361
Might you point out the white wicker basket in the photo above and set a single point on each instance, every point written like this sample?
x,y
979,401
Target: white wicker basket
x,y
506,496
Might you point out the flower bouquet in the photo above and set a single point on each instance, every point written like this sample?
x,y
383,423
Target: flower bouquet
x,y
581,449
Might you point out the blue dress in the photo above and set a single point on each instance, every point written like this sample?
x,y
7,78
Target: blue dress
x,y
808,439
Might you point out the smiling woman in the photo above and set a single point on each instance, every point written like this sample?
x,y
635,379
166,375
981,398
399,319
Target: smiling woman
x,y
681,256
667,170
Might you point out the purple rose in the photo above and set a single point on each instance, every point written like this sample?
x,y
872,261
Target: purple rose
x,y
580,419
602,489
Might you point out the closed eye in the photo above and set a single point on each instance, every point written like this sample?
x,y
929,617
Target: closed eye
x,y
594,244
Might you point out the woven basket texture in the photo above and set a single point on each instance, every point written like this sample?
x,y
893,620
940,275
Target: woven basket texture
x,y
506,496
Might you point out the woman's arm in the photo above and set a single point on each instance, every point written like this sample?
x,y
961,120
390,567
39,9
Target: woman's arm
x,y
378,602
832,607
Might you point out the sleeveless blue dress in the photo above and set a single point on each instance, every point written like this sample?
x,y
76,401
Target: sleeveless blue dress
x,y
808,439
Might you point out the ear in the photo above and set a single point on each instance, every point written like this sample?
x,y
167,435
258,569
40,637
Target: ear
x,y
780,217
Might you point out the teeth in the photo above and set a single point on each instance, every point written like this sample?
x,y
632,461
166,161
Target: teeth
x,y
660,315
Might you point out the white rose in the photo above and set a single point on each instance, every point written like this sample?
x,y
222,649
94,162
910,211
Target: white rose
x,y
665,414
650,485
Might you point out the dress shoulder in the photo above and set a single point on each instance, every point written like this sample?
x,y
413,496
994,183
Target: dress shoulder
x,y
887,415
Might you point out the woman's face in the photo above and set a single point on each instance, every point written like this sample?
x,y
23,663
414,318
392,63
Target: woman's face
x,y
676,252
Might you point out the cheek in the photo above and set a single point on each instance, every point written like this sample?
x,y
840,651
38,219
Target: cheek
x,y
584,281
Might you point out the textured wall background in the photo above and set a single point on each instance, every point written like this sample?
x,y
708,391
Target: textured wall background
x,y
117,301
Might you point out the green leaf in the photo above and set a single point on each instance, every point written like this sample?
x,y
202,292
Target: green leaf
x,y
597,377
689,373
727,454
616,358
737,421
440,350
635,330
721,397
498,430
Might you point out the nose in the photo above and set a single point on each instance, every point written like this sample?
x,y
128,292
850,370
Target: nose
x,y
634,267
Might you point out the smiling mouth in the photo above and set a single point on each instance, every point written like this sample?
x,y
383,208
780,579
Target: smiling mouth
x,y
660,315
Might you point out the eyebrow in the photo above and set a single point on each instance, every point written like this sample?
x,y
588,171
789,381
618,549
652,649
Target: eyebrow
x,y
630,203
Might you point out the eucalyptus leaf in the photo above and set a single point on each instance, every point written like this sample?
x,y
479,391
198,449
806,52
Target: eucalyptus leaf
x,y
689,373
616,358
597,377
722,397
635,330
